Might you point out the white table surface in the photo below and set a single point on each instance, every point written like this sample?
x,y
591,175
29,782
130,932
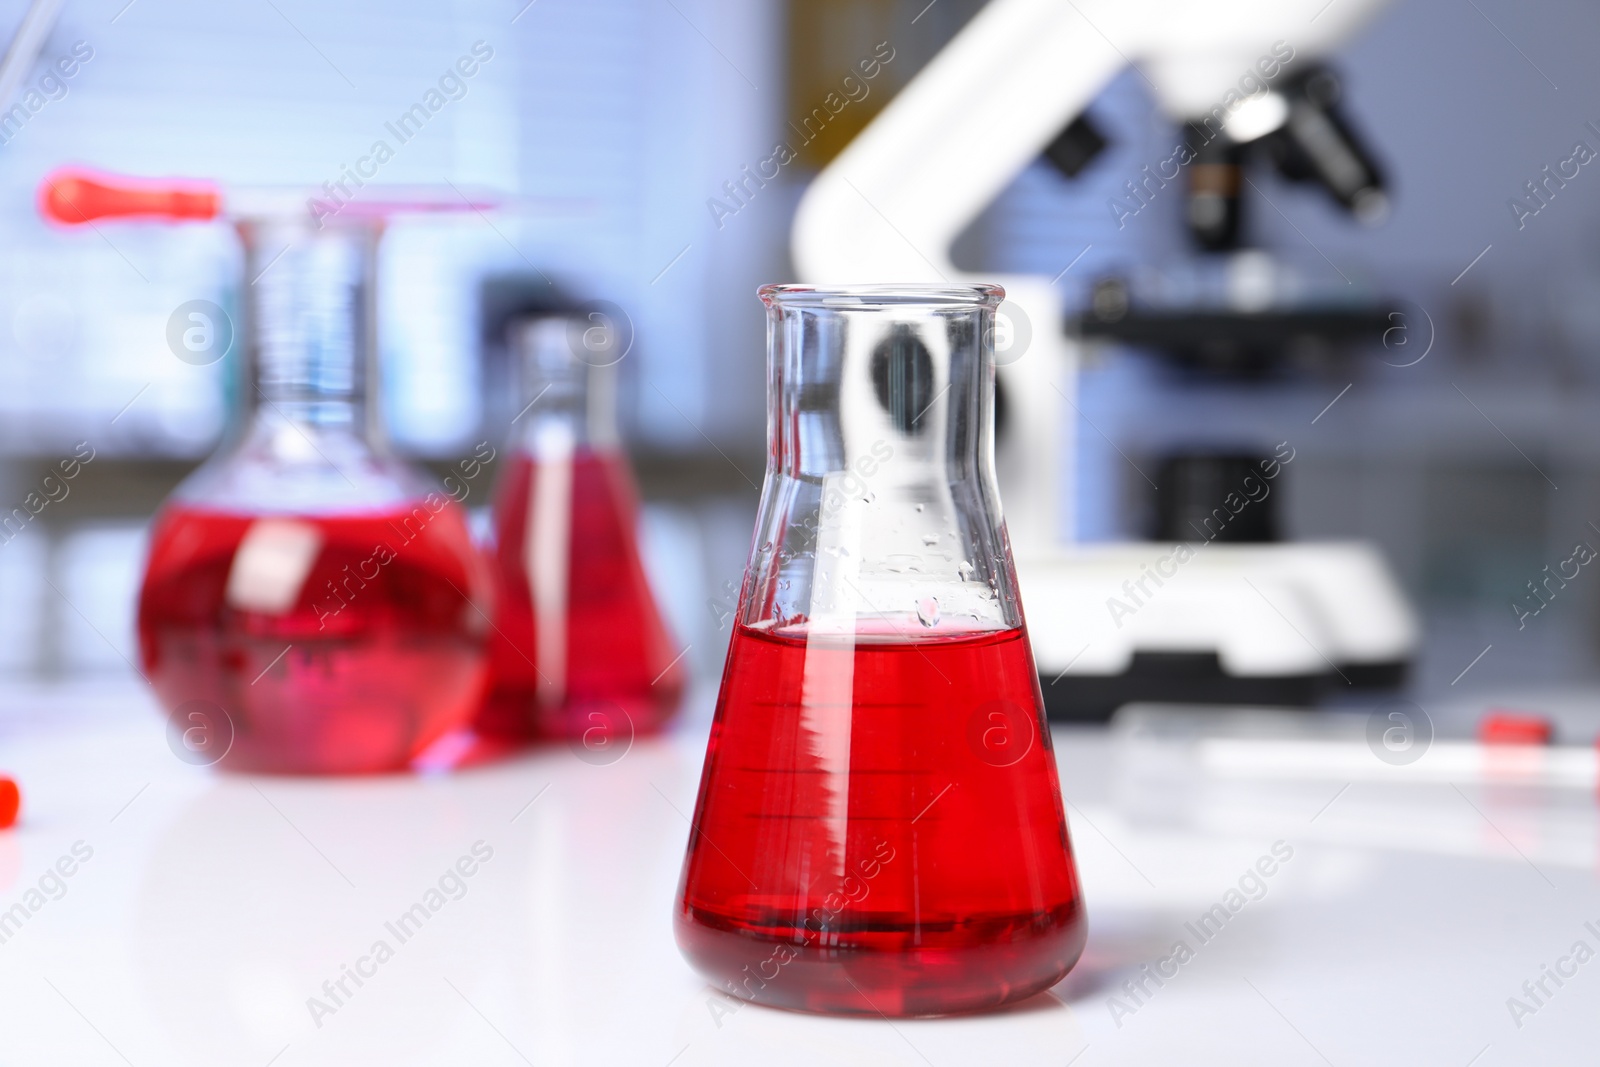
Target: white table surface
x,y
213,906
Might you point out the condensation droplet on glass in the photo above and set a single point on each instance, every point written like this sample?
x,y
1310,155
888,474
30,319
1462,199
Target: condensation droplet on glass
x,y
928,611
920,507
766,546
965,568
930,539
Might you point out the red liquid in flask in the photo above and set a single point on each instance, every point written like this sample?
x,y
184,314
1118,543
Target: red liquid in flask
x,y
577,636
880,827
334,644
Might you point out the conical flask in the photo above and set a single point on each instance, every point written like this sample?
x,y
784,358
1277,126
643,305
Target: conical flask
x,y
579,648
879,826
310,604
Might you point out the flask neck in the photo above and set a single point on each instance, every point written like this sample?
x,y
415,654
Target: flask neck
x,y
568,403
879,517
310,311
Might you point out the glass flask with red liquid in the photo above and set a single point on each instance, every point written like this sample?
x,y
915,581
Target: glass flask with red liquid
x,y
579,648
310,604
879,827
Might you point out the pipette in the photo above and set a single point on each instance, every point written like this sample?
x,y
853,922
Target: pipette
x,y
76,196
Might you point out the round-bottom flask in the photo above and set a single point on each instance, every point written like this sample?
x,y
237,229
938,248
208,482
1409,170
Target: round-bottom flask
x,y
309,605
879,827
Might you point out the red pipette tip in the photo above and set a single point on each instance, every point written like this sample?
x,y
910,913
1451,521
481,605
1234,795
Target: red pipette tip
x,y
1505,727
10,802
73,196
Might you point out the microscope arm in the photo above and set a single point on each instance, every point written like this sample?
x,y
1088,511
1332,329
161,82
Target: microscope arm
x,y
889,207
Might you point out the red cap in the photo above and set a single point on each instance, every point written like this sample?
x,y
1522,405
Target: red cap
x,y
1504,727
72,196
10,801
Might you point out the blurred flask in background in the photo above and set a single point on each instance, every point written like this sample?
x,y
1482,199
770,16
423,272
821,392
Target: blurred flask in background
x,y
579,648
309,605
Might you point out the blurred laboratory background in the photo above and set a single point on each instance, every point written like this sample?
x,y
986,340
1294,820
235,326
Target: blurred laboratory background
x,y
1461,438
1365,281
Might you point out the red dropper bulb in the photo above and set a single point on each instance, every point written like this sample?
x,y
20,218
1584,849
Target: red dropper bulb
x,y
72,196
10,802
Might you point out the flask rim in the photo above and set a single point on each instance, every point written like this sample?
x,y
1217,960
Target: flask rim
x,y
873,296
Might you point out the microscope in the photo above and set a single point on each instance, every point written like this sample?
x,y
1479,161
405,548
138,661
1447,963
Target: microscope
x,y
1213,609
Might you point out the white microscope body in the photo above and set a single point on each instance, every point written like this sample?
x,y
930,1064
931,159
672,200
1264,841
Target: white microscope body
x,y
888,210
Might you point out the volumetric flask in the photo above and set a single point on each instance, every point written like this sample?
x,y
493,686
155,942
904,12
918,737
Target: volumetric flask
x,y
309,605
879,826
579,648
